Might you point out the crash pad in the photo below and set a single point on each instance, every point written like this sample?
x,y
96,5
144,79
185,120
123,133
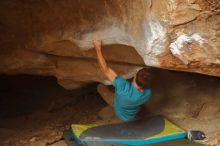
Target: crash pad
x,y
140,132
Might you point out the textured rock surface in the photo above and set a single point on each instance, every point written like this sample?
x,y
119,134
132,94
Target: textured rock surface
x,y
51,37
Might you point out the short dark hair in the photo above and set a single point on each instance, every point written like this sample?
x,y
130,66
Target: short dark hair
x,y
143,78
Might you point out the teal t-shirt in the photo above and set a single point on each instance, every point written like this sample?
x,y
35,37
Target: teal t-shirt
x,y
127,99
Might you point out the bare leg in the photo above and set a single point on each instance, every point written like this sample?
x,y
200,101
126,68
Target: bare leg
x,y
106,93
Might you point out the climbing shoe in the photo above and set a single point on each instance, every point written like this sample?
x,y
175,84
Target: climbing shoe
x,y
195,135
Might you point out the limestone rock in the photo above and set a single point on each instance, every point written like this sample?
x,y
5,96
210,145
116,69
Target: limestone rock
x,y
209,109
55,37
33,139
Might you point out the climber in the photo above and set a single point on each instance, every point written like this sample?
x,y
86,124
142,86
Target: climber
x,y
128,97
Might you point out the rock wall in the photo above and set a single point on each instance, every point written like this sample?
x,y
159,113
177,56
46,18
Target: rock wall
x,y
54,38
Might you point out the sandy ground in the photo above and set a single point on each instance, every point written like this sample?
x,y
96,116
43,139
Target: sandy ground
x,y
43,126
42,110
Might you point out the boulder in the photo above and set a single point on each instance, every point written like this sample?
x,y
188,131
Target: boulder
x,y
54,38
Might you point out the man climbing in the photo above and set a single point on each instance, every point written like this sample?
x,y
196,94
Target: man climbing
x,y
128,97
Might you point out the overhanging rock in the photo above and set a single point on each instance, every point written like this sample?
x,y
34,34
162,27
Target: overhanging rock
x,y
55,37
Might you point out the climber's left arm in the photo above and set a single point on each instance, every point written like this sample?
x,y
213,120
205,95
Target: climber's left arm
x,y
108,72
